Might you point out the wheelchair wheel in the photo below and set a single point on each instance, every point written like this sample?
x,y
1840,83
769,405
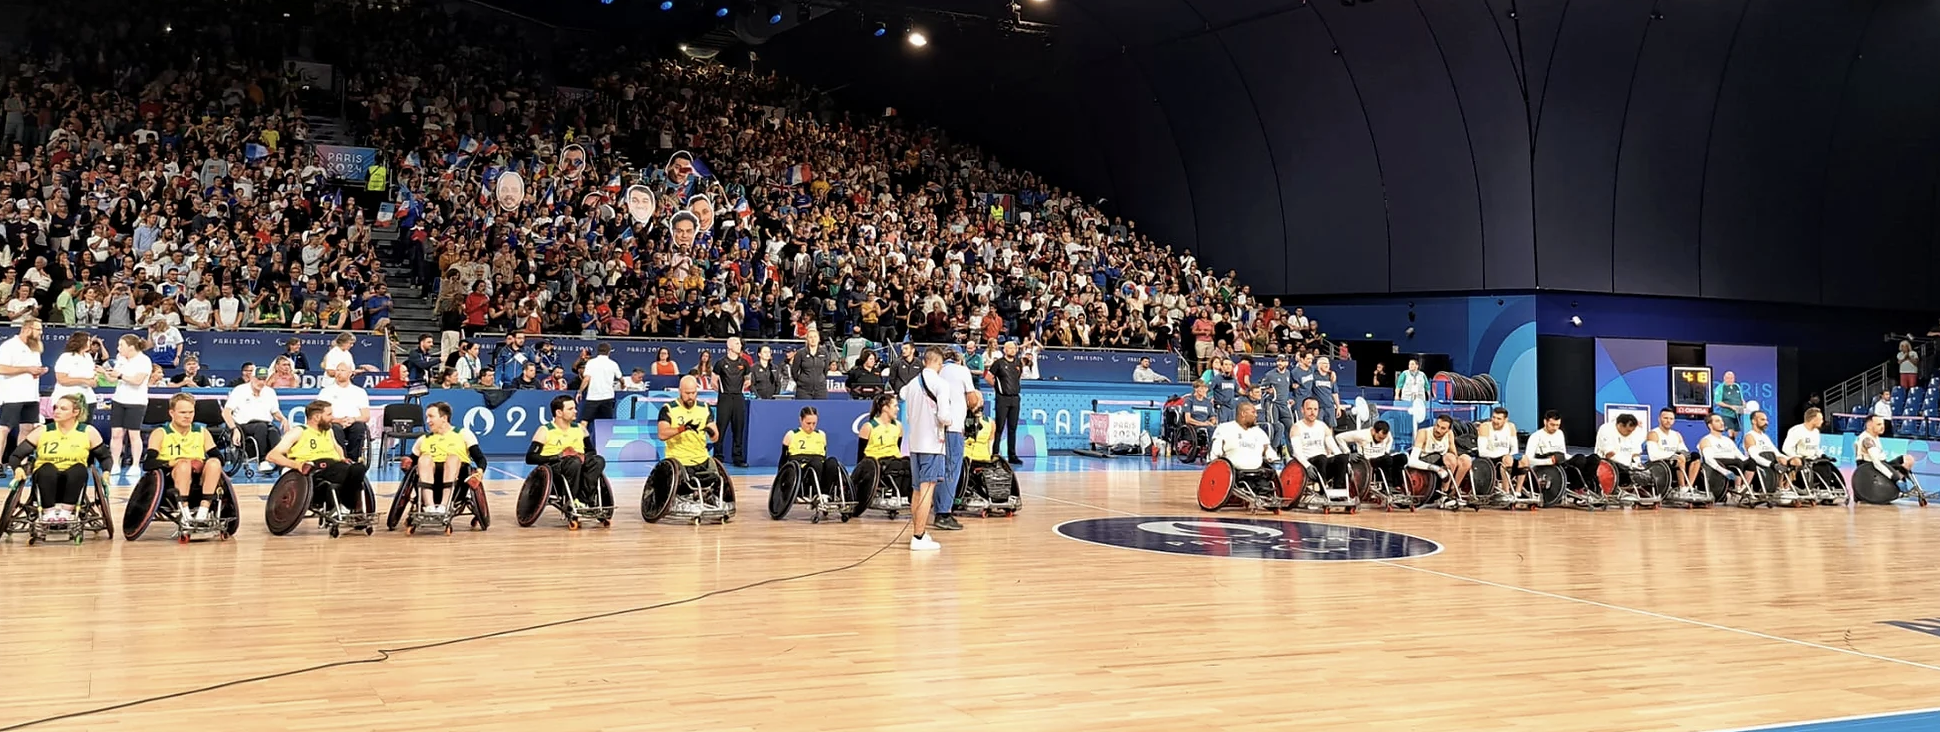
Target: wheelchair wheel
x,y
144,501
231,512
1550,483
1004,489
1606,478
12,513
475,501
1717,484
402,500
94,515
1360,475
289,501
657,497
1871,486
864,478
1482,478
1293,479
534,496
1215,484
727,484
781,495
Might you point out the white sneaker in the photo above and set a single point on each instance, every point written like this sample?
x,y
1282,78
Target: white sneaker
x,y
923,544
435,509
265,466
202,514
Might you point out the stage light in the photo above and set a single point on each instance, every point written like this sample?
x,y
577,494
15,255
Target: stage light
x,y
666,4
880,31
774,19
1576,320
606,2
721,12
917,39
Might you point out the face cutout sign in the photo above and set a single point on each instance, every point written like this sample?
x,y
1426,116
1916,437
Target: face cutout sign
x,y
510,189
640,204
703,209
573,162
685,227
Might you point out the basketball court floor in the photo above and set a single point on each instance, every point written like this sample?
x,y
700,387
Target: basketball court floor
x,y
1109,602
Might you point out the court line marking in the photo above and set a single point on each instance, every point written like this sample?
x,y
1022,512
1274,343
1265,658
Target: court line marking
x,y
1833,720
1594,603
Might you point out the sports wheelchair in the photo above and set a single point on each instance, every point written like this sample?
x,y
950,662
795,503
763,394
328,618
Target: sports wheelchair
x,y
154,498
687,494
884,486
297,496
1222,485
543,487
825,491
1775,485
1372,486
467,499
1821,481
1741,483
989,486
1484,488
1315,493
1869,485
1564,484
23,512
1673,488
1641,492
234,459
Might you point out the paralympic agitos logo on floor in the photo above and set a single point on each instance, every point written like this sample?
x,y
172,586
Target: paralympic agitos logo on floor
x,y
1248,538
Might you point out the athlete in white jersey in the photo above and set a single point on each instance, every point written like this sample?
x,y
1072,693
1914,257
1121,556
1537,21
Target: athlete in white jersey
x,y
1495,441
1314,446
1868,450
1376,443
1666,445
1802,440
1619,444
1435,452
1241,441
1721,454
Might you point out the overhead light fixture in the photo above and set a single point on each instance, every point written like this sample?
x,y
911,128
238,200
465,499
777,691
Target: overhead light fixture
x,y
775,19
721,12
882,29
666,4
917,39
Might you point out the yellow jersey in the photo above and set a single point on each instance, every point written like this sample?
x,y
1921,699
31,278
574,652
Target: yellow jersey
x,y
687,448
555,440
438,448
183,445
314,444
62,449
807,443
977,448
885,440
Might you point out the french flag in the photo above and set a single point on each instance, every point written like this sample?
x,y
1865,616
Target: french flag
x,y
742,210
798,174
613,183
488,147
467,145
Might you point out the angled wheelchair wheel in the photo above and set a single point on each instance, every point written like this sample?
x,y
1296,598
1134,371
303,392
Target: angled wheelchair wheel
x,y
1550,483
864,481
13,512
402,501
143,503
1482,479
1215,485
1870,486
1360,476
1421,484
657,497
1293,479
1606,478
1715,483
94,514
231,511
474,501
781,495
534,496
289,502
727,483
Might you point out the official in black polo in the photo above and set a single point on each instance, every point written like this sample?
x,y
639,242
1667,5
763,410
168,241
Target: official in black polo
x,y
732,370
1006,375
768,374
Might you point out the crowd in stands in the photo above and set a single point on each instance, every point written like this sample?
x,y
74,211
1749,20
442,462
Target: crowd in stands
x,y
159,174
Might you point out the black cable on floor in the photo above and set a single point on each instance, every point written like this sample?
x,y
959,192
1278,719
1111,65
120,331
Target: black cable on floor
x,y
384,654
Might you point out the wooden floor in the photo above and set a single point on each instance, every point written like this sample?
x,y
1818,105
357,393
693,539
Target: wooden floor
x,y
1559,620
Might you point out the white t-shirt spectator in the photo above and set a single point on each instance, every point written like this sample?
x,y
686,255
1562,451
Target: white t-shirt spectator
x,y
345,401
245,405
339,357
166,341
79,366
24,387
197,312
960,377
22,308
137,366
229,312
600,375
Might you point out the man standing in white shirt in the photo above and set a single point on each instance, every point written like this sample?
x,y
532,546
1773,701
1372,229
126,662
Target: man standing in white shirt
x,y
197,313
962,382
229,309
20,372
597,381
349,413
253,411
933,407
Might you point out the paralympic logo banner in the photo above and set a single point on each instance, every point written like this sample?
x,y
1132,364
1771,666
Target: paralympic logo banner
x,y
343,162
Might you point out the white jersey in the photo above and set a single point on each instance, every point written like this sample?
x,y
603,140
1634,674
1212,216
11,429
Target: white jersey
x,y
1544,442
1715,447
1427,445
1613,446
1496,444
1665,444
1311,440
1759,446
1803,442
1363,442
1245,448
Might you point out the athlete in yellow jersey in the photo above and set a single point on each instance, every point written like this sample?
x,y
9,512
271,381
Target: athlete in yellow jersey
x,y
446,454
977,448
882,439
809,446
59,453
182,448
314,450
687,425
564,446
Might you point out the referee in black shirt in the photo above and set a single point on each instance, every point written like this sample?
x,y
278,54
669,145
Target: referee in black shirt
x,y
732,370
1006,375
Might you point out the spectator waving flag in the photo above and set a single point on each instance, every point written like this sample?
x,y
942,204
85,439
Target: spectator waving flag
x,y
467,145
411,161
701,169
254,152
798,175
742,210
488,147
613,184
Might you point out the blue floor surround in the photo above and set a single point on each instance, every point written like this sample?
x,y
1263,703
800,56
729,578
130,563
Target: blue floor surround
x,y
512,468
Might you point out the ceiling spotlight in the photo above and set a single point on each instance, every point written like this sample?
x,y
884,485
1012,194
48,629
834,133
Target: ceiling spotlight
x,y
666,4
606,2
1576,320
880,31
774,19
721,12
917,39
